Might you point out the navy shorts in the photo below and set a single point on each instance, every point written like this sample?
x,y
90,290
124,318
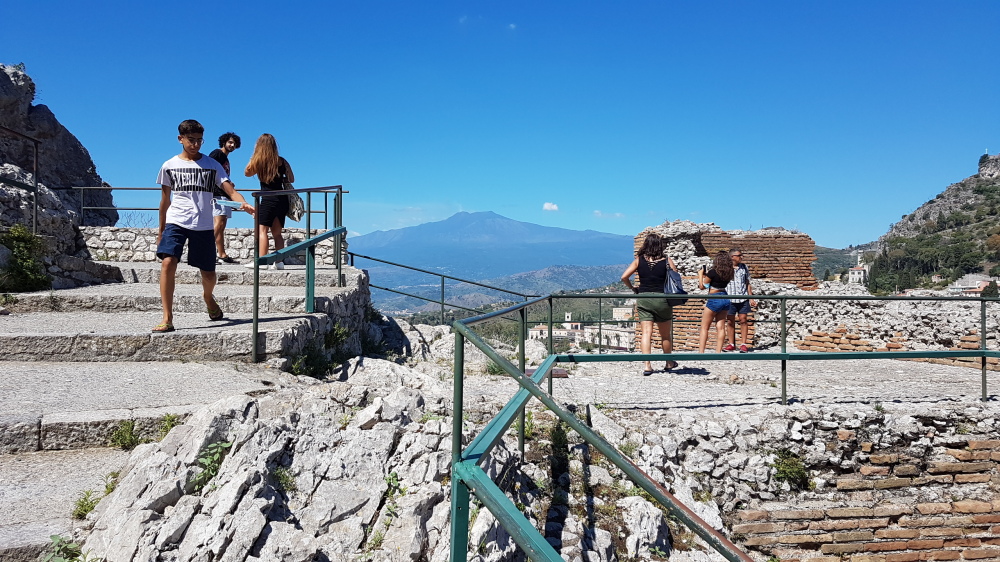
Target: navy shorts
x,y
739,308
715,305
201,246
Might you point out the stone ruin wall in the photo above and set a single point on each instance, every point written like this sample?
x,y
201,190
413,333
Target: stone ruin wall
x,y
109,243
771,255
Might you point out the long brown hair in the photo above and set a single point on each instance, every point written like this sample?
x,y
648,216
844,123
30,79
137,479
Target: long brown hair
x,y
653,247
265,160
723,265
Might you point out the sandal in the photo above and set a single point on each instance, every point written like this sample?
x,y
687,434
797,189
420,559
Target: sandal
x,y
215,313
227,259
163,328
647,373
670,365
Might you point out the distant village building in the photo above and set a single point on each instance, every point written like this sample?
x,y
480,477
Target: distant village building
x,y
971,284
622,314
858,275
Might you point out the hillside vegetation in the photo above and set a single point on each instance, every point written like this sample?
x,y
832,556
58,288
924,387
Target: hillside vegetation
x,y
955,233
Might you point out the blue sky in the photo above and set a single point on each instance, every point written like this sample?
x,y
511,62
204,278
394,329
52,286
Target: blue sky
x,y
834,118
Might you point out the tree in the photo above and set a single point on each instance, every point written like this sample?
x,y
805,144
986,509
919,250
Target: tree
x,y
826,274
991,290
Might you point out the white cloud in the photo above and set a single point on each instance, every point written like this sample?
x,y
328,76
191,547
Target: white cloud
x,y
463,19
602,215
512,26
550,207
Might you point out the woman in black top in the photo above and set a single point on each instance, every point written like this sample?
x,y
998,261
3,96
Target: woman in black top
x,y
273,171
715,310
651,265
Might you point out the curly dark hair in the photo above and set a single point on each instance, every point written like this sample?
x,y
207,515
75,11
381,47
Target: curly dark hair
x,y
225,138
653,247
723,265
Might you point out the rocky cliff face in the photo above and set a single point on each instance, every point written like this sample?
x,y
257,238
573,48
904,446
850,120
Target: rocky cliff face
x,y
62,160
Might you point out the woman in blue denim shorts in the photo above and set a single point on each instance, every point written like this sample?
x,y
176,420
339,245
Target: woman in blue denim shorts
x,y
715,310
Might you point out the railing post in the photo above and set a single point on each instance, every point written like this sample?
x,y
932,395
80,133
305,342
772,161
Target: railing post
x,y
254,356
600,330
784,362
442,300
459,491
982,344
550,342
310,259
522,325
338,241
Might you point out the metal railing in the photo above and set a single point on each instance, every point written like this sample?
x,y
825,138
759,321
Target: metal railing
x,y
308,245
442,301
468,478
33,188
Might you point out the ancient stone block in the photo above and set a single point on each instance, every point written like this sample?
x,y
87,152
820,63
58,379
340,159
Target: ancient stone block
x,y
850,512
972,506
933,508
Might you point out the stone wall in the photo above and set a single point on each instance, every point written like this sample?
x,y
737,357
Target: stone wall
x,y
111,243
771,255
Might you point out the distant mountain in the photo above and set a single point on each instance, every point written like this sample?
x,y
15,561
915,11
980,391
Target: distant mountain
x,y
541,282
483,245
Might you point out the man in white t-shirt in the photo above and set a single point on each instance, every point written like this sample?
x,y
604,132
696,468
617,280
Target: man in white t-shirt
x,y
188,182
740,285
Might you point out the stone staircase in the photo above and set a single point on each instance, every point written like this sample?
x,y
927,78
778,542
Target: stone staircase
x,y
79,362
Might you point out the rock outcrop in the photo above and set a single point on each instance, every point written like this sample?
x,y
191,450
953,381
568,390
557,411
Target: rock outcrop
x,y
62,160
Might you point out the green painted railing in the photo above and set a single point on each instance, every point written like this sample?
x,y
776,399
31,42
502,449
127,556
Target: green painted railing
x,y
469,479
440,301
308,245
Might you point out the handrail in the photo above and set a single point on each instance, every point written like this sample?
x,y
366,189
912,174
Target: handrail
x,y
309,245
468,478
442,300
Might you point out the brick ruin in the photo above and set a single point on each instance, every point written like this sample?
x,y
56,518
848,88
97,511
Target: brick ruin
x,y
771,254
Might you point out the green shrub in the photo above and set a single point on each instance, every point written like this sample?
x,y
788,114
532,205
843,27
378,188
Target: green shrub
x,y
311,363
84,504
25,270
124,436
168,422
210,460
790,468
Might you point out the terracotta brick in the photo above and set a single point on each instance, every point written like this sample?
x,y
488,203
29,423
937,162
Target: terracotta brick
x,y
897,534
751,515
854,484
844,435
978,553
991,444
905,470
820,334
993,542
937,479
892,510
966,542
933,508
972,506
883,546
759,528
797,514
853,536
822,559
797,525
867,558
958,521
995,530
980,519
805,539
761,541
924,544
921,521
995,456
972,478
873,523
866,447
887,458
841,512
893,483
960,454
842,548
902,557
838,525
874,470
941,555
941,532
956,467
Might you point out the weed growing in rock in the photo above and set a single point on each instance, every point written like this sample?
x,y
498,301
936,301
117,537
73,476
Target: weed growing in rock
x,y
210,460
311,363
529,425
628,448
492,368
789,468
370,347
7,299
24,271
84,504
430,416
124,436
375,542
703,496
111,482
372,314
657,552
168,422
284,480
336,336
65,550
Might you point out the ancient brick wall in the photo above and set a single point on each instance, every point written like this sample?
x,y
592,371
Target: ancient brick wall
x,y
961,523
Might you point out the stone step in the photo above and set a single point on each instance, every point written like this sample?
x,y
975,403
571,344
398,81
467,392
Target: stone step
x,y
232,274
38,492
126,336
142,297
47,405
